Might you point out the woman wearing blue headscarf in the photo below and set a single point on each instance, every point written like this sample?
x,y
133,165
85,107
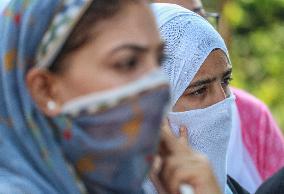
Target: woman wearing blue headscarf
x,y
82,100
76,85
199,69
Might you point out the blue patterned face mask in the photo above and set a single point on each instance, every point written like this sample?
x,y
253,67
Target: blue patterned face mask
x,y
112,136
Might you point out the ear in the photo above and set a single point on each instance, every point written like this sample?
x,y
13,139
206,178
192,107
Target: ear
x,y
43,87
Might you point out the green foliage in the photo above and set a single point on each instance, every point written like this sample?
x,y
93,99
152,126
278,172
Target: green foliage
x,y
257,48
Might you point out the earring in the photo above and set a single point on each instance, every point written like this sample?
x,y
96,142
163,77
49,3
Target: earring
x,y
51,105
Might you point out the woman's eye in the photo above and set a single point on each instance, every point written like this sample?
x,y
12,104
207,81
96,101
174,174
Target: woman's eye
x,y
227,81
128,65
199,92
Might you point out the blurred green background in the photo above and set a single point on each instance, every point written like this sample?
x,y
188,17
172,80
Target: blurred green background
x,y
254,33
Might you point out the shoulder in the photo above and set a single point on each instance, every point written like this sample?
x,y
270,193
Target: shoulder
x,y
274,184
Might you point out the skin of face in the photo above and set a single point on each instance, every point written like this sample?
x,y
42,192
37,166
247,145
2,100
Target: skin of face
x,y
121,50
209,86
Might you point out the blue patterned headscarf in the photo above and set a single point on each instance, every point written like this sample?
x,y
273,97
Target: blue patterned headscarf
x,y
31,160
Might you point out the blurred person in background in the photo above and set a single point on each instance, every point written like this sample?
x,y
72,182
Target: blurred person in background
x,y
64,130
256,139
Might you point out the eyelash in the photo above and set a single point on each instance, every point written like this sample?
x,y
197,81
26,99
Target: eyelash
x,y
128,65
202,91
133,63
227,81
199,92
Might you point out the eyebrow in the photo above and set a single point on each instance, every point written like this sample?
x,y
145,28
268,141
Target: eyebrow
x,y
228,72
137,48
209,80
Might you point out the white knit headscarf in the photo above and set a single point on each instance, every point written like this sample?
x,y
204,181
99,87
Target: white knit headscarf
x,y
189,40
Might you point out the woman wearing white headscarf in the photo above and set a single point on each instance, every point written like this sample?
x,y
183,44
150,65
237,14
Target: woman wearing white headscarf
x,y
251,158
199,70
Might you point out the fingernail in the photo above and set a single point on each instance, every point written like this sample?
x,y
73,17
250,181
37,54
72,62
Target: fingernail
x,y
183,129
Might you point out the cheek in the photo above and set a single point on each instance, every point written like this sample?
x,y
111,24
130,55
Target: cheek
x,y
79,84
199,102
83,81
186,103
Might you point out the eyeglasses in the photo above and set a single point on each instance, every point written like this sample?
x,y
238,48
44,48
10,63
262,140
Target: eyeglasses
x,y
212,17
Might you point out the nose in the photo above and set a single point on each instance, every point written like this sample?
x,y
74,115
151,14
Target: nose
x,y
152,63
220,93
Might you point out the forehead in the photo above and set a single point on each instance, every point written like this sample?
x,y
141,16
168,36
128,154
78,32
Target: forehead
x,y
215,65
135,20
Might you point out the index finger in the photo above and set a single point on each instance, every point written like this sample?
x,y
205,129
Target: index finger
x,y
171,145
167,144
183,133
183,136
166,126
